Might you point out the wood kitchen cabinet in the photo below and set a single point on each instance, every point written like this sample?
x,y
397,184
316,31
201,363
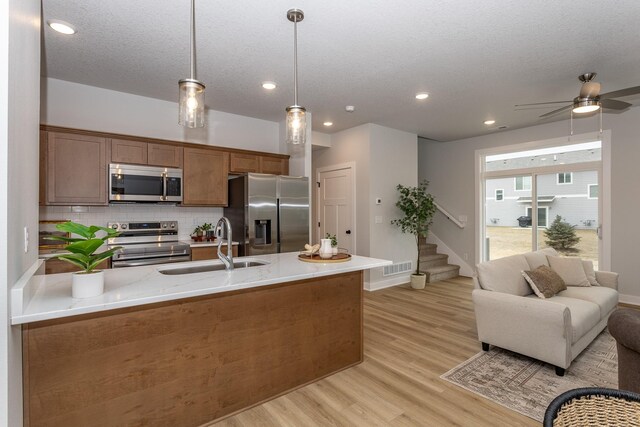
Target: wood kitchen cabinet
x,y
144,153
243,163
274,165
74,169
205,177
210,252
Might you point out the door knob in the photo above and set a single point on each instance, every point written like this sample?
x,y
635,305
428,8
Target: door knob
x,y
348,231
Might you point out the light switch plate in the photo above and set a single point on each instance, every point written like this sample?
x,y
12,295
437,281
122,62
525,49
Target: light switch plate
x,y
26,240
378,219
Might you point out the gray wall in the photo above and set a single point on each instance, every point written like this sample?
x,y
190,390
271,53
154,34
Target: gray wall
x,y
19,118
450,168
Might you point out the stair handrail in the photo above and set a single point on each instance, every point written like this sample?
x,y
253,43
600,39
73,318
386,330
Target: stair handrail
x,y
449,216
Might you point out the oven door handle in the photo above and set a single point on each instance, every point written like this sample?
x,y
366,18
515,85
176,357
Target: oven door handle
x,y
164,186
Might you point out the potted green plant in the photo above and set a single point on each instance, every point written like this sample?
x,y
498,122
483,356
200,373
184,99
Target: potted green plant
x,y
418,208
197,234
88,282
334,243
207,230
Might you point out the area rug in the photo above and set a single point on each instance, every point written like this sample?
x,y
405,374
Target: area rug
x,y
527,385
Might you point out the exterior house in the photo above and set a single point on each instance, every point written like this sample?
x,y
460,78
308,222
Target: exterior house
x,y
572,195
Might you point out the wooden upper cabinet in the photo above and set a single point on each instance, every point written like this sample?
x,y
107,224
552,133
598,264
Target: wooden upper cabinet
x,y
126,151
274,165
76,169
146,153
166,155
241,163
205,177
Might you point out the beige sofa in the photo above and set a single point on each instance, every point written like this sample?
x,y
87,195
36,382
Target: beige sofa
x,y
555,330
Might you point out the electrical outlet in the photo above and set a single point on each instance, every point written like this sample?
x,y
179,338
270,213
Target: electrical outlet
x,y
378,219
26,240
466,257
462,218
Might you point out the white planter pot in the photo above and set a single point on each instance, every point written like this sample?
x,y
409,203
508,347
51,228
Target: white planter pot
x,y
418,281
87,285
325,249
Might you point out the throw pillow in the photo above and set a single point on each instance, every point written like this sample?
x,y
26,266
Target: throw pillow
x,y
570,269
590,272
544,281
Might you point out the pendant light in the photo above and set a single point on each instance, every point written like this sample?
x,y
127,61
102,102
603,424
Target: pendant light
x,y
191,101
296,115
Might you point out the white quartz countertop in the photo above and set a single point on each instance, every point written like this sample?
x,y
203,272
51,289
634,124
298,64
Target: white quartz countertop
x,y
43,297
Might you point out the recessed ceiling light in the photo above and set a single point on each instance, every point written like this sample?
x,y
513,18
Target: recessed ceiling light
x,y
328,124
61,27
422,95
489,122
269,85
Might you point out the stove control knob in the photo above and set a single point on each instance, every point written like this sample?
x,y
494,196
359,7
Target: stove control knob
x,y
164,225
173,225
124,226
114,226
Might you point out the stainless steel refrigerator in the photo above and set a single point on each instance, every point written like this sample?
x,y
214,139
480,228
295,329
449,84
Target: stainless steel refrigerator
x,y
268,213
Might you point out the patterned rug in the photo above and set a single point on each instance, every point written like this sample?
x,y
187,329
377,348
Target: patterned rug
x,y
527,385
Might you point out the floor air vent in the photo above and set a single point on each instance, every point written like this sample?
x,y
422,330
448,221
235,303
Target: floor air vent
x,y
400,267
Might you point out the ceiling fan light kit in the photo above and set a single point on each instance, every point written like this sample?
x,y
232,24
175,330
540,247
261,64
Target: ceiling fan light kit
x,y
191,91
296,122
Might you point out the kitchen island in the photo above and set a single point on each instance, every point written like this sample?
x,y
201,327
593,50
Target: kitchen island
x,y
185,349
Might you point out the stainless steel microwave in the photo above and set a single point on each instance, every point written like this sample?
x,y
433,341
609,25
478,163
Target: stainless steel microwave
x,y
133,183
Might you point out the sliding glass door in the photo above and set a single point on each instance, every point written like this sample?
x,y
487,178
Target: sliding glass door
x,y
560,184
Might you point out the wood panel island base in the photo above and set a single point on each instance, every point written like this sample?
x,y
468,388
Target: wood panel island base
x,y
190,361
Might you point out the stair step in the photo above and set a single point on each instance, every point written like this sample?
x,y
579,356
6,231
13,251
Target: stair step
x,y
443,272
433,260
428,248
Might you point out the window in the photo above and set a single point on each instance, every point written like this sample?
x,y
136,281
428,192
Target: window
x,y
499,195
565,178
592,191
523,183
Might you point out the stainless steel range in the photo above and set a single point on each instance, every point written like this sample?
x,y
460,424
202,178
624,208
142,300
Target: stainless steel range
x,y
147,243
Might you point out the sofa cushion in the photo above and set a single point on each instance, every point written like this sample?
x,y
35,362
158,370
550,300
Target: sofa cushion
x,y
584,314
590,272
544,282
505,275
605,298
570,269
539,257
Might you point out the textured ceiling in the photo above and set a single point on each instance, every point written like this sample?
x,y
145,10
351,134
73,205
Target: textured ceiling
x,y
476,59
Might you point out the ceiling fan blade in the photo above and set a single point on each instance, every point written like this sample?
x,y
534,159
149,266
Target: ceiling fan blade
x,y
589,90
614,104
620,93
559,110
543,103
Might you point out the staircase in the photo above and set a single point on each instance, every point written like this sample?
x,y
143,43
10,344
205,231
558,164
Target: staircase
x,y
436,266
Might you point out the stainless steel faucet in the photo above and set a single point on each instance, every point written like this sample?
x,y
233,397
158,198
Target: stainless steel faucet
x,y
227,259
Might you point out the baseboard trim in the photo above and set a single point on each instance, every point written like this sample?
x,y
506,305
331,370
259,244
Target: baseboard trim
x,y
629,299
400,279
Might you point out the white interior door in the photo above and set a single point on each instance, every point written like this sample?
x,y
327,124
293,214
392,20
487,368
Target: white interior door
x,y
335,206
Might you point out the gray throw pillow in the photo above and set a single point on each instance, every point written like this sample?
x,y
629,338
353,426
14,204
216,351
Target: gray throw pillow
x,y
544,282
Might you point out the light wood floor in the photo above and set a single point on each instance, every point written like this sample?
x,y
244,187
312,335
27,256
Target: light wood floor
x,y
410,339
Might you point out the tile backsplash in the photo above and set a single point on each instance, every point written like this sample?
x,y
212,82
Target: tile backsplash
x,y
187,217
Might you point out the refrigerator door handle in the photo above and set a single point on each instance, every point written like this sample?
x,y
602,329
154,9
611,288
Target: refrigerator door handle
x,y
278,225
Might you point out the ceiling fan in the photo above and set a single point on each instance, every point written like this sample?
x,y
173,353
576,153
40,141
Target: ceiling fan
x,y
590,98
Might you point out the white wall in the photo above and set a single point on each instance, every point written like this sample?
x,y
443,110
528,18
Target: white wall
x,y
384,158
450,168
87,107
394,160
19,118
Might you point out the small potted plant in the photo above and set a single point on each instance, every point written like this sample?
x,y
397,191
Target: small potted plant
x,y
418,208
334,243
208,232
198,234
88,282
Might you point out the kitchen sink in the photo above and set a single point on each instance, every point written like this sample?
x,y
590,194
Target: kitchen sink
x,y
211,267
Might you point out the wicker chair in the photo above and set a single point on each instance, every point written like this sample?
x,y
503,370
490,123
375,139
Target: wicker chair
x,y
595,407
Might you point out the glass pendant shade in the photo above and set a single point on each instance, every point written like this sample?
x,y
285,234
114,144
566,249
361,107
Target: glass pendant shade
x,y
296,125
191,102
